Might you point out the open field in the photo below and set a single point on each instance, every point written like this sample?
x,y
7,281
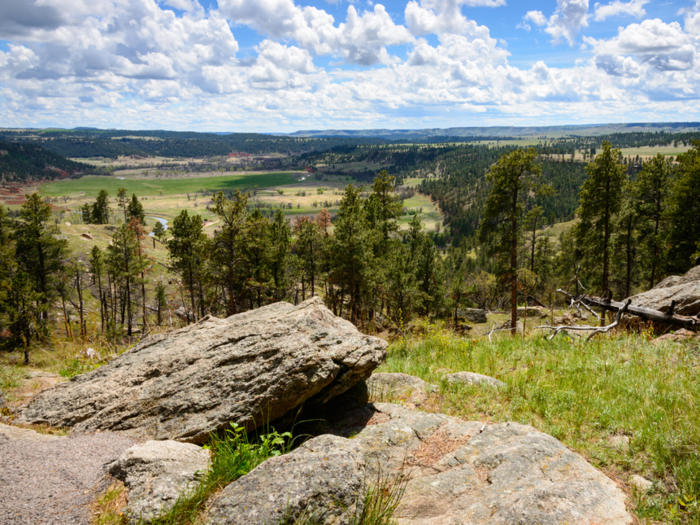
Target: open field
x,y
90,186
652,151
430,215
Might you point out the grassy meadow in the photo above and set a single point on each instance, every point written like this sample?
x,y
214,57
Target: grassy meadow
x,y
627,404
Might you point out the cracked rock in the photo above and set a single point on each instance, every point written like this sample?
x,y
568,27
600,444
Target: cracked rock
x,y
250,368
157,473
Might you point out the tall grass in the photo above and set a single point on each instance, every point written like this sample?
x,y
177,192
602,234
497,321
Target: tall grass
x,y
584,395
233,456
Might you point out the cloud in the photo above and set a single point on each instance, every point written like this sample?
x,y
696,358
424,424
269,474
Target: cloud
x,y
536,17
442,16
664,46
567,20
634,8
26,17
361,39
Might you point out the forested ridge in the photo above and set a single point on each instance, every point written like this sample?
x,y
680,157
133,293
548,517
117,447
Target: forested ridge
x,y
26,162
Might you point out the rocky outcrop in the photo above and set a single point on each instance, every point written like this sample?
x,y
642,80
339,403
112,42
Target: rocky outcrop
x,y
322,480
456,472
684,290
472,378
531,311
679,336
399,388
157,473
13,433
250,368
473,315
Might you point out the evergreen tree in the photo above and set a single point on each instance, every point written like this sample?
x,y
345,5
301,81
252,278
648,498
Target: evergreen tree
x,y
37,250
513,179
100,209
135,210
257,254
188,251
533,219
651,191
227,247
158,231
123,263
122,202
684,211
352,256
97,267
601,199
280,259
307,247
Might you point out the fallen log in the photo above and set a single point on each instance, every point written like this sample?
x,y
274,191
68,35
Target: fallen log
x,y
594,330
684,321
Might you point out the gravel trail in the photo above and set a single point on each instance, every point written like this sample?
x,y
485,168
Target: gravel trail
x,y
48,479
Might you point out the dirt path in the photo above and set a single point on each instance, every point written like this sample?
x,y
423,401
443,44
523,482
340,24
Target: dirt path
x,y
51,480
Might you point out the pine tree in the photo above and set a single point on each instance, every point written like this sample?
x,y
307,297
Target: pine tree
x,y
188,251
124,267
280,259
227,256
651,191
257,254
513,179
134,210
37,250
122,202
533,219
97,267
307,246
99,213
600,201
684,211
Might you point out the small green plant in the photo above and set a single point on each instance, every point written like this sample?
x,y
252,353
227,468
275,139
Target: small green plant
x,y
233,456
381,500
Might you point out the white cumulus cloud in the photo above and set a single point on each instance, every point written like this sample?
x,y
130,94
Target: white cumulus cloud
x,y
634,8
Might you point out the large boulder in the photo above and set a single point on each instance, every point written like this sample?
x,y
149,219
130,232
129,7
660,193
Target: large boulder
x,y
455,472
685,290
157,473
251,368
472,378
321,481
406,389
473,315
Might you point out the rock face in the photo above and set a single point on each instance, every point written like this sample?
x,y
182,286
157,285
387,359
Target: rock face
x,y
472,378
458,472
157,473
685,290
409,390
473,315
322,479
250,368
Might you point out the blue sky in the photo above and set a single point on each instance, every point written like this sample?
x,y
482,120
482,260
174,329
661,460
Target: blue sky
x,y
284,65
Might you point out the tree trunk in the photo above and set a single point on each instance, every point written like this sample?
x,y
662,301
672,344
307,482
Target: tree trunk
x,y
513,266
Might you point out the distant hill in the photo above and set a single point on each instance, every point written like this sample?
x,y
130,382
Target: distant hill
x,y
587,130
28,162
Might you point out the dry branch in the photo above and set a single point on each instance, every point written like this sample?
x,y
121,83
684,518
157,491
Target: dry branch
x,y
683,321
595,329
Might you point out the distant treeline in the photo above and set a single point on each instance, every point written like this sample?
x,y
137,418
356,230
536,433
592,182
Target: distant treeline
x,y
23,162
114,143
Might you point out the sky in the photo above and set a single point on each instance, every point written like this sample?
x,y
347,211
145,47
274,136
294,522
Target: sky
x,y
287,65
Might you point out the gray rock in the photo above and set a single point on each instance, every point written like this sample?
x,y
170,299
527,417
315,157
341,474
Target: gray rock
x,y
457,472
476,473
3,401
472,378
399,388
474,315
685,291
679,336
156,473
531,311
323,478
13,433
641,484
250,368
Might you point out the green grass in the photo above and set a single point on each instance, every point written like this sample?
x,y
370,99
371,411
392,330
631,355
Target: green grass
x,y
91,185
583,395
233,456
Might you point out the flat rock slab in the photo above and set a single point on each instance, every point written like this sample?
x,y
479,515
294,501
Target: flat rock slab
x,y
399,388
251,368
51,480
684,290
457,473
321,480
472,378
157,473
